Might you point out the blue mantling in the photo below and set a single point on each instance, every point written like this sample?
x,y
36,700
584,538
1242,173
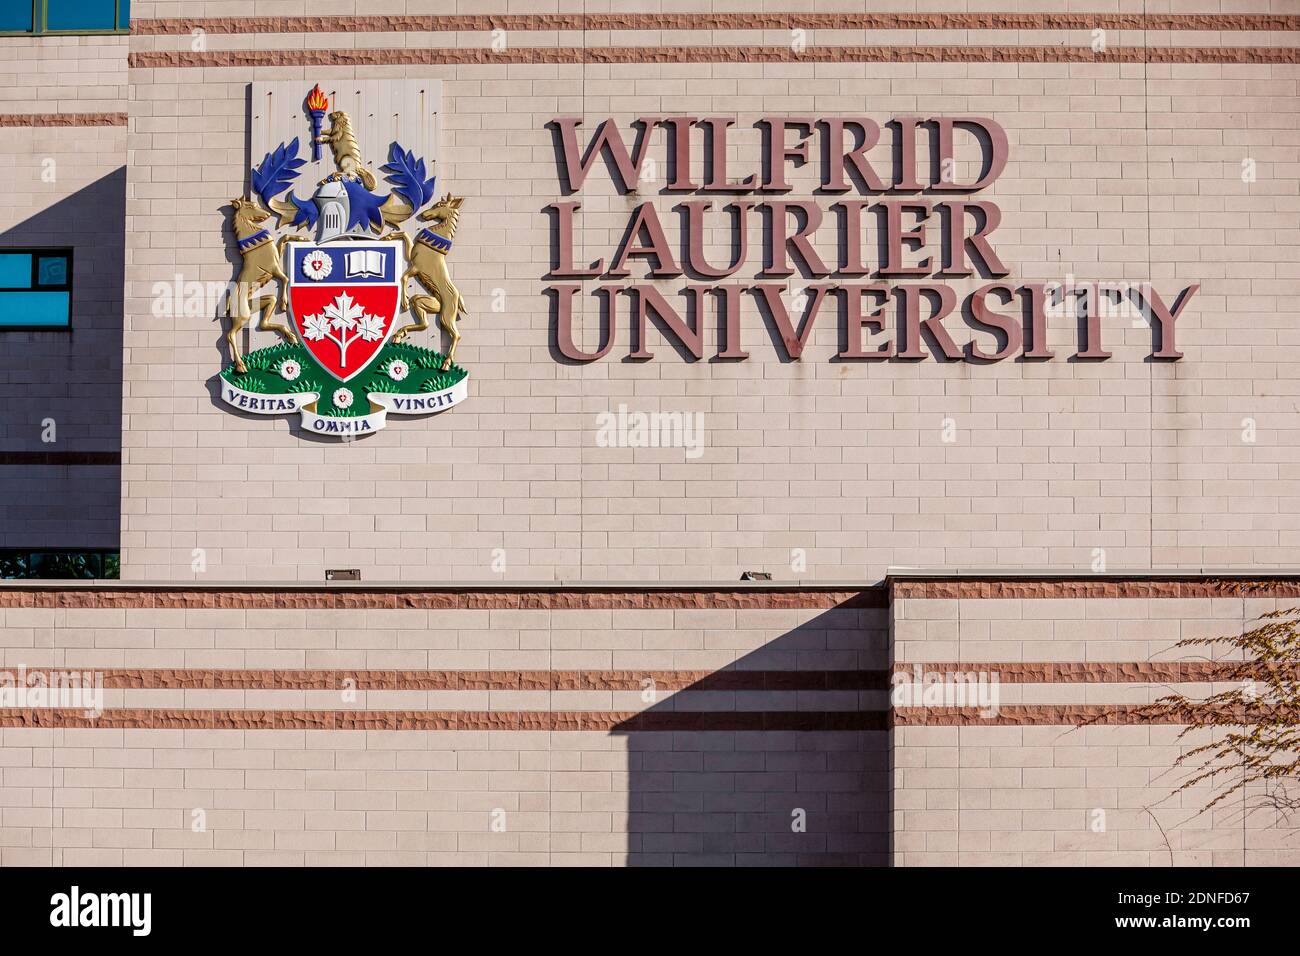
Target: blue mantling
x,y
306,214
407,173
364,207
280,167
277,171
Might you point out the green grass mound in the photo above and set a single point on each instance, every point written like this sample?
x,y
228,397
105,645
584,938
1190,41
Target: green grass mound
x,y
423,374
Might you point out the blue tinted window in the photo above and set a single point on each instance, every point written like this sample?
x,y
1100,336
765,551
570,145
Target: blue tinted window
x,y
15,15
80,14
52,270
123,14
34,308
15,271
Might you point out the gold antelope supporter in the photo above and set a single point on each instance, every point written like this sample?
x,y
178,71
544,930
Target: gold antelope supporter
x,y
427,255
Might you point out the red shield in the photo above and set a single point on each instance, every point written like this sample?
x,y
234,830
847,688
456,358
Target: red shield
x,y
343,298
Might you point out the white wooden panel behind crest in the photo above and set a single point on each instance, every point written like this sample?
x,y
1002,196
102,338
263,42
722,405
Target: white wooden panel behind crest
x,y
382,112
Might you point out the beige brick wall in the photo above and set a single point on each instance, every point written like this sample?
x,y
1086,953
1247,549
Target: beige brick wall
x,y
1062,793
1118,172
177,737
700,794
818,470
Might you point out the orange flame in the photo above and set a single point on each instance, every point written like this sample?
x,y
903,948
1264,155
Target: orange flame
x,y
317,100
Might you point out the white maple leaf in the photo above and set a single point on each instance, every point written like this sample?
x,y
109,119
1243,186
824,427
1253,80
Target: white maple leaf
x,y
372,328
315,327
344,312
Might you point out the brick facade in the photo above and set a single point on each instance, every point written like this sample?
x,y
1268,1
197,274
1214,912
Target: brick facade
x,y
555,697
1035,785
462,736
553,726
1119,171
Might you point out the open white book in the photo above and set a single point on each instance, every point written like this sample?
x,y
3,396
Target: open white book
x,y
365,262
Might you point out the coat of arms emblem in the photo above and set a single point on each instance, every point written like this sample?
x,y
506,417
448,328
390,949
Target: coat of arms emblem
x,y
344,362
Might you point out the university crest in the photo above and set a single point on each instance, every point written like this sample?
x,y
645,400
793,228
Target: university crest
x,y
342,269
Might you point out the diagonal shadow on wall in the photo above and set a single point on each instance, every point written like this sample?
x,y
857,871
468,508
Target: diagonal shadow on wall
x,y
61,389
781,759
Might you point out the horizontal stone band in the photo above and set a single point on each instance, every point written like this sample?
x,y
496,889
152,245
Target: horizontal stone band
x,y
662,680
441,597
498,720
62,119
410,23
1063,715
170,59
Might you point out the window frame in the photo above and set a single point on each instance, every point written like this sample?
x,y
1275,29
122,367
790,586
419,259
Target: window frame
x,y
103,556
40,19
36,252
